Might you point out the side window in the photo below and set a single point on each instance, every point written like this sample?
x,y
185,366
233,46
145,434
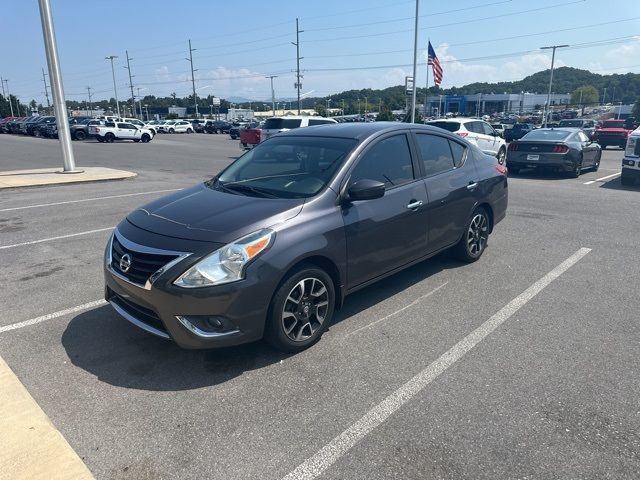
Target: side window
x,y
471,126
435,153
487,129
388,161
458,153
122,125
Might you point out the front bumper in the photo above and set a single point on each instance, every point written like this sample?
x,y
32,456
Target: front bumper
x,y
631,167
176,313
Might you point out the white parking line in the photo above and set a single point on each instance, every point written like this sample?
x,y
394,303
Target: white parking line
x,y
33,242
602,178
87,200
417,300
51,316
336,448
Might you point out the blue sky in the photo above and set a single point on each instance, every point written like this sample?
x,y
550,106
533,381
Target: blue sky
x,y
238,43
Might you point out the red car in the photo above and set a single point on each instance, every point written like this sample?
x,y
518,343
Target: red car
x,y
613,132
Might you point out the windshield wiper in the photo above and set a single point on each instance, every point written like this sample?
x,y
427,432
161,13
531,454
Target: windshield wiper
x,y
239,187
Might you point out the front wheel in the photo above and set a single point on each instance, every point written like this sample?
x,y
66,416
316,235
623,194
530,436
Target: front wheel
x,y
476,235
596,164
171,130
301,310
99,138
109,137
145,138
80,135
136,140
189,130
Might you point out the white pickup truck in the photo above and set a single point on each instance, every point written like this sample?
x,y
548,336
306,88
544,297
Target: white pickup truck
x,y
111,131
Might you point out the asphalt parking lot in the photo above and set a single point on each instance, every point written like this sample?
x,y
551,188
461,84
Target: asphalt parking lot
x,y
521,365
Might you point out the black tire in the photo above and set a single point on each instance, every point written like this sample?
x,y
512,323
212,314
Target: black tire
x,y
626,180
502,156
99,138
109,137
136,140
577,169
80,135
145,138
596,165
307,318
474,240
189,130
172,130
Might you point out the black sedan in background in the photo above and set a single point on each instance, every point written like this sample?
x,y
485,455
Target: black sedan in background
x,y
271,246
563,149
518,131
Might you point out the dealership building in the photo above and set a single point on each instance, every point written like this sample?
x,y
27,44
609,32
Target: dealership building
x,y
487,103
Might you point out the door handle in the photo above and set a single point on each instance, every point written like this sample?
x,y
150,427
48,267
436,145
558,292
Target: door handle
x,y
472,186
414,204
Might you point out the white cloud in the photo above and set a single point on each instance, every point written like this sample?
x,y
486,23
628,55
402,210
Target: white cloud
x,y
620,59
162,73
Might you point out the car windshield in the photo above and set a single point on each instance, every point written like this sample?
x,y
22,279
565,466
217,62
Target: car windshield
x,y
285,167
547,134
571,123
449,126
281,123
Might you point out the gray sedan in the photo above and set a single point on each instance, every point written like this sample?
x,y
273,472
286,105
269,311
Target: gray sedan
x,y
563,149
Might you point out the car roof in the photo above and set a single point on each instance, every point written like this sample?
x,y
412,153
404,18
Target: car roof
x,y
360,130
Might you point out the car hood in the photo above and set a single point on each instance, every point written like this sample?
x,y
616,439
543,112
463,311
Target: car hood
x,y
201,213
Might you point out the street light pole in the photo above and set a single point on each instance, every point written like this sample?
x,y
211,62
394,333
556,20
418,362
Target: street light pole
x,y
90,104
273,95
415,61
553,58
113,74
46,91
8,96
57,90
193,80
133,98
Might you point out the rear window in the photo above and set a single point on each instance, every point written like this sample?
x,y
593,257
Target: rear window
x,y
280,123
543,134
571,123
614,124
448,126
316,121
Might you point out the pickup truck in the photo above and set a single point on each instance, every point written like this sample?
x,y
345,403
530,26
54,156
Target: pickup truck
x,y
613,132
120,131
250,137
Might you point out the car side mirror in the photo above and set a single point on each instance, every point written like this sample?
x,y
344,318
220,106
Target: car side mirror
x,y
366,189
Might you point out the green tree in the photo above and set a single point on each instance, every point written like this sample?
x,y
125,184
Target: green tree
x,y
584,95
384,115
320,109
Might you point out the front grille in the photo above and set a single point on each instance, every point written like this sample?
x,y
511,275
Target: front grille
x,y
143,265
138,312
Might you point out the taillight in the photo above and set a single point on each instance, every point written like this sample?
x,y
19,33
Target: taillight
x,y
513,147
502,169
560,149
463,134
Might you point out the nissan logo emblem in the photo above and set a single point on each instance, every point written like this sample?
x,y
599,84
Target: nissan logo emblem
x,y
125,263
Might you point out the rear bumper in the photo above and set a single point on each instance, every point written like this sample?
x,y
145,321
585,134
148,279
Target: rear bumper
x,y
559,161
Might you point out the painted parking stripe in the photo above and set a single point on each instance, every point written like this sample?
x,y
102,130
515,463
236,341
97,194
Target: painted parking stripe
x,y
94,199
416,301
51,316
602,178
50,239
315,465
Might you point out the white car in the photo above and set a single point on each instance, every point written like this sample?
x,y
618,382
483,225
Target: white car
x,y
282,124
120,131
477,132
631,160
177,126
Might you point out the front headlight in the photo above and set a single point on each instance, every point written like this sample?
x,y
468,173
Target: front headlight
x,y
227,264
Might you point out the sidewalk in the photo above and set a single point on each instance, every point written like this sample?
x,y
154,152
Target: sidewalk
x,y
52,176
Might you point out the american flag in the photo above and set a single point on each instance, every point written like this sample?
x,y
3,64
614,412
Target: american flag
x,y
432,60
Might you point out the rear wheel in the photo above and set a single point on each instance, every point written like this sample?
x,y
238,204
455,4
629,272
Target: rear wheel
x,y
300,310
171,130
109,137
474,240
502,156
596,164
577,169
80,135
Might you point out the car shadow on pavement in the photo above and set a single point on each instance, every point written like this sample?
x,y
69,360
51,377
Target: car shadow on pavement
x,y
102,343
616,184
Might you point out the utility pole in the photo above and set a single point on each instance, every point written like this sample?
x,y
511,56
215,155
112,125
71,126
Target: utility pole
x,y
298,85
90,104
113,74
57,90
133,99
415,60
273,95
8,95
328,105
193,80
343,108
139,101
553,58
46,91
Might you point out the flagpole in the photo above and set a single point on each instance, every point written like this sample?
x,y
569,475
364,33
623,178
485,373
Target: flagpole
x,y
426,93
415,59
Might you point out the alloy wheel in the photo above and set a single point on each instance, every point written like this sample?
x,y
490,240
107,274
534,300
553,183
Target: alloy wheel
x,y
477,234
305,309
